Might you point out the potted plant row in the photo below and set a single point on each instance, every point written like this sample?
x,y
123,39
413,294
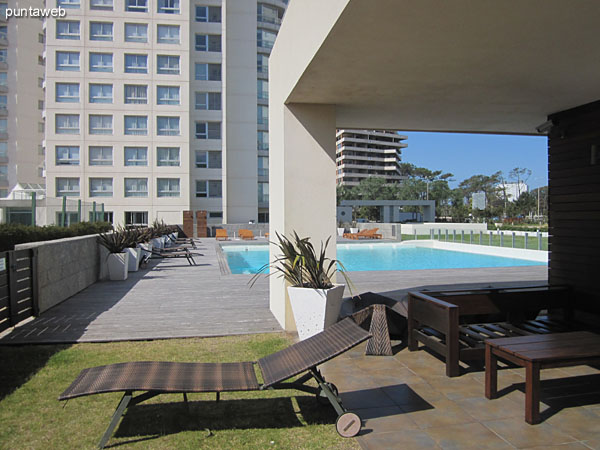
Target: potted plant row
x,y
316,302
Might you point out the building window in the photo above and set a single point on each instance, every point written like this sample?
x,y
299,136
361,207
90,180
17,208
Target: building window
x,y
263,140
101,156
167,126
101,93
106,217
136,125
263,217
136,156
101,31
262,63
208,14
265,38
136,32
215,215
101,187
263,166
167,34
136,94
41,126
136,187
67,124
209,188
263,115
3,173
262,89
100,124
167,187
136,218
67,187
41,38
4,79
67,29
106,5
67,155
136,5
67,61
68,4
263,192
3,149
136,63
4,56
208,101
208,159
208,42
67,92
167,156
40,104
40,80
101,62
208,130
269,14
168,6
167,95
167,64
210,72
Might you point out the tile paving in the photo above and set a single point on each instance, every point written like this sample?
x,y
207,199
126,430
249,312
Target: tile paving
x,y
407,402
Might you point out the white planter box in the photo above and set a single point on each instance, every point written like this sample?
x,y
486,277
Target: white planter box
x,y
135,256
146,249
353,230
117,265
340,231
315,309
158,242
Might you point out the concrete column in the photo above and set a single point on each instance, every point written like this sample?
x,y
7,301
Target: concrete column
x,y
302,178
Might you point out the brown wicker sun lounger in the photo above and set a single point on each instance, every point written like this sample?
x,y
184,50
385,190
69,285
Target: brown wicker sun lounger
x,y
154,378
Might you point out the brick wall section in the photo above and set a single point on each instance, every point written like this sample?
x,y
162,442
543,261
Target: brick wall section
x,y
188,223
201,223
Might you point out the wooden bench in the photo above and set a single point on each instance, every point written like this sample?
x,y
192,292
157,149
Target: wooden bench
x,y
535,353
455,324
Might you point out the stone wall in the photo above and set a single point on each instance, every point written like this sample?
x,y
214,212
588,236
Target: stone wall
x,y
65,267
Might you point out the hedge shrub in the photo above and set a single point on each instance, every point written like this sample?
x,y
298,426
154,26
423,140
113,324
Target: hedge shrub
x,y
13,234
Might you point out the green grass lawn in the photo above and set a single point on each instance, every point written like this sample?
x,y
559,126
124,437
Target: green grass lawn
x,y
32,377
532,242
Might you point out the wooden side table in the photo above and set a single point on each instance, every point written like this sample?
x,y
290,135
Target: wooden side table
x,y
538,352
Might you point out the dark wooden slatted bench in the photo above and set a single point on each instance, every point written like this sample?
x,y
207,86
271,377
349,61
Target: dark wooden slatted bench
x,y
536,352
455,324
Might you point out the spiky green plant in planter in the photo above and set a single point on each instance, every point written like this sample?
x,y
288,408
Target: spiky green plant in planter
x,y
114,242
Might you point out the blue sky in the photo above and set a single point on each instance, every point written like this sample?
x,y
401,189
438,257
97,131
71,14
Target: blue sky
x,y
471,154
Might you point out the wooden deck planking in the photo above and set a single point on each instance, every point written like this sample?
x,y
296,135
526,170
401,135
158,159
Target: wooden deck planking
x,y
174,300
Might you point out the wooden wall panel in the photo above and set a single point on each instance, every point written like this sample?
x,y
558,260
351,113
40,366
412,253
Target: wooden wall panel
x,y
574,201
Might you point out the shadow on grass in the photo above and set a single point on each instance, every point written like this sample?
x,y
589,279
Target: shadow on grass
x,y
161,419
19,363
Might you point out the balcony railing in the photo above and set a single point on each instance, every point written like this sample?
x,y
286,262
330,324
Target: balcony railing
x,y
267,19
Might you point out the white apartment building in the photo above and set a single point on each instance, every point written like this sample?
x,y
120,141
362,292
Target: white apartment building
x,y
22,102
368,153
154,107
513,190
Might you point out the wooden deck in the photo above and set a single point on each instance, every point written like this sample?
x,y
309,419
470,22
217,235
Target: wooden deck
x,y
171,299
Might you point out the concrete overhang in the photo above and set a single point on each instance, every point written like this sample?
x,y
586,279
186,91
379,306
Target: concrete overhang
x,y
483,66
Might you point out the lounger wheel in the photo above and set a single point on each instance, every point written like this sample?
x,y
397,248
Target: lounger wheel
x,y
322,398
348,424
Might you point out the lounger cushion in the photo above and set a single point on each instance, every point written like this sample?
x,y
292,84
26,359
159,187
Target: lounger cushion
x,y
164,377
311,352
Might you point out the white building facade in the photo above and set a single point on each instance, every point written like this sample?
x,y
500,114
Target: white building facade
x,y
153,107
22,102
368,153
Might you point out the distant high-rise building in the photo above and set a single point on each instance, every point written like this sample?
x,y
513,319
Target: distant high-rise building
x,y
478,200
513,190
368,153
158,106
21,98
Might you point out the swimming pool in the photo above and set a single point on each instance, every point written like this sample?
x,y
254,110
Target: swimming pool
x,y
371,257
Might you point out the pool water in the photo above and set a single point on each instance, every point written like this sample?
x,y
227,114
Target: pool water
x,y
362,257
